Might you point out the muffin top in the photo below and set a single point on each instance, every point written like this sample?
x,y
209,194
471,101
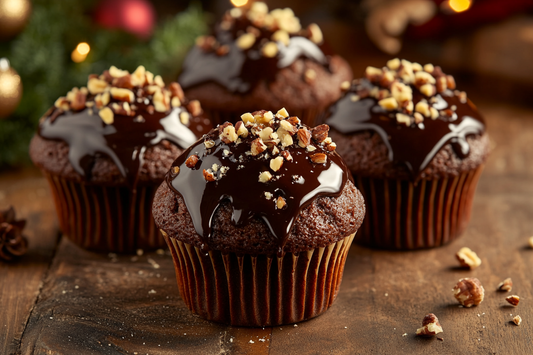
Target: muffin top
x,y
105,132
250,45
267,185
420,117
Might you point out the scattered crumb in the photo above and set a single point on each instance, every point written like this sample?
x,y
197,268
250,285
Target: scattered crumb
x,y
160,252
295,325
345,327
76,287
231,340
386,295
262,340
140,252
64,291
404,334
441,339
153,263
152,291
51,317
517,320
251,342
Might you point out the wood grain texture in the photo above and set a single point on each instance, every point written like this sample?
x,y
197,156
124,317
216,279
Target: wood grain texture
x,y
100,304
21,280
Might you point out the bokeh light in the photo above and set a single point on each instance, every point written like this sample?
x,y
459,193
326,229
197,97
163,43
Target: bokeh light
x,y
459,5
239,3
79,54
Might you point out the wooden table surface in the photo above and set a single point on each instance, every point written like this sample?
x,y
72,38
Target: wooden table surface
x,y
60,299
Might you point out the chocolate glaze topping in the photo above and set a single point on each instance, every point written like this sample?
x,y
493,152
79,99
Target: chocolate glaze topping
x,y
251,182
126,137
412,138
225,60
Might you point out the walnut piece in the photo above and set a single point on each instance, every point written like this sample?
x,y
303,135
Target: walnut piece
x,y
191,161
469,292
468,258
430,326
319,158
506,285
514,300
106,115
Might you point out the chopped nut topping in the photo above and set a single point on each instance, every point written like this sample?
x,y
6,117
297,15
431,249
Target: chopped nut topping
x,y
428,90
389,103
276,163
159,81
247,118
429,68
241,129
280,203
138,78
345,85
96,86
373,74
423,108
304,137
285,154
418,117
319,158
270,50
191,161
62,103
246,41
282,113
393,64
468,258
281,36
175,170
310,76
228,134
403,119
160,103
265,176
514,300
315,33
517,320
106,115
209,144
430,326
208,175
122,94
469,292
258,146
194,108
175,102
506,285
450,82
176,91
320,133
117,73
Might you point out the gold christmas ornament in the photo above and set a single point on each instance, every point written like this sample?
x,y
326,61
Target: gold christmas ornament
x,y
13,17
10,88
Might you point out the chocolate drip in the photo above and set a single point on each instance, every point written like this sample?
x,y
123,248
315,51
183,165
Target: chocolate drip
x,y
416,145
298,181
124,141
240,70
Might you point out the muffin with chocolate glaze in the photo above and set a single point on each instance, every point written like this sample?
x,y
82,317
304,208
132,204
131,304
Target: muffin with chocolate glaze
x,y
257,58
106,147
259,218
416,147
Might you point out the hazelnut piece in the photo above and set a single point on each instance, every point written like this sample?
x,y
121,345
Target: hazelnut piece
x,y
469,292
430,326
191,161
468,258
514,300
506,285
208,176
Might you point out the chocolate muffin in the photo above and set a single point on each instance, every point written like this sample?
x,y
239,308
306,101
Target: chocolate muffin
x,y
106,147
257,58
259,218
416,147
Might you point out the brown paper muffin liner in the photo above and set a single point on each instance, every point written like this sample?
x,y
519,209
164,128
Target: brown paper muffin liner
x,y
106,219
261,290
401,215
307,116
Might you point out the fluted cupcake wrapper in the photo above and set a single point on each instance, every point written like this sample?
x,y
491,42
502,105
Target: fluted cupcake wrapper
x,y
261,290
401,215
106,219
307,116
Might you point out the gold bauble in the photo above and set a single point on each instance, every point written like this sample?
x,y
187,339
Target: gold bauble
x,y
13,17
10,88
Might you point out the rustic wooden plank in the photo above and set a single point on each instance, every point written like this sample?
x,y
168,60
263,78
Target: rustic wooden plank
x,y
94,303
20,281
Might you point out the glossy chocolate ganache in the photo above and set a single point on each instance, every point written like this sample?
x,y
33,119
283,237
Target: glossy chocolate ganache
x,y
267,165
120,115
416,110
250,45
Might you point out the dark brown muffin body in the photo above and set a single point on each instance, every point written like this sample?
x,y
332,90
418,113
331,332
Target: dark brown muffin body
x,y
416,147
106,147
265,59
259,218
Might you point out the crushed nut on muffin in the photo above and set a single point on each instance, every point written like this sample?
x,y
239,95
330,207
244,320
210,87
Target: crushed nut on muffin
x,y
514,300
506,285
468,258
430,326
469,292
